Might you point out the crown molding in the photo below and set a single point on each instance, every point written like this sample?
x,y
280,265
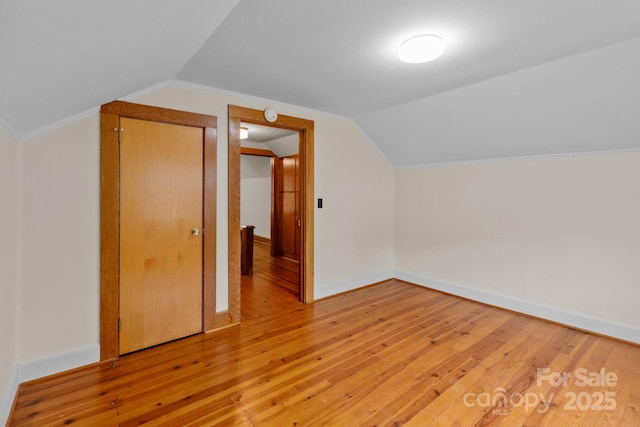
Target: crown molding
x,y
4,126
58,124
86,113
132,96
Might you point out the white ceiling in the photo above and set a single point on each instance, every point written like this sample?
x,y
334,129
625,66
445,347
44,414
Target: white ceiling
x,y
61,58
282,142
259,133
518,78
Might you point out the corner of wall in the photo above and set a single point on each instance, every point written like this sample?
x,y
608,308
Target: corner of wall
x,y
373,144
8,396
40,368
4,126
563,317
11,190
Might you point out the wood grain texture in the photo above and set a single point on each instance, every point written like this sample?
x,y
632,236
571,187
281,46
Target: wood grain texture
x,y
109,234
389,354
262,239
161,202
233,183
256,152
209,316
274,286
307,200
286,213
160,115
109,211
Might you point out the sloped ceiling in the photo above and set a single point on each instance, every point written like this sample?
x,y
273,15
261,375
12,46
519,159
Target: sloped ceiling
x,y
64,57
517,78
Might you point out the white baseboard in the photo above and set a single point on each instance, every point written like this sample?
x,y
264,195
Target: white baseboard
x,y
84,356
41,368
58,363
580,321
8,396
349,285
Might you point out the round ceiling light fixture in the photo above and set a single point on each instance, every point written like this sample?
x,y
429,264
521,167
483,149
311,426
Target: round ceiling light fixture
x,y
423,48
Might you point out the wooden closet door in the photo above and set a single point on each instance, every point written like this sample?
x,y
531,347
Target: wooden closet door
x,y
290,208
161,205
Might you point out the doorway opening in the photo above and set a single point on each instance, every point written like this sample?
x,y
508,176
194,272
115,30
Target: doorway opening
x,y
270,206
302,216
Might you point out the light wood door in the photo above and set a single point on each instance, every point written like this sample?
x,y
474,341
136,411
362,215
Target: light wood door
x,y
161,204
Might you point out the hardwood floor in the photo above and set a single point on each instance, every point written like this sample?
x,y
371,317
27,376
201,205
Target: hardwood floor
x,y
385,355
273,287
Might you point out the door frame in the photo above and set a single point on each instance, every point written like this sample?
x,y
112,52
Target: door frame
x,y
110,213
305,129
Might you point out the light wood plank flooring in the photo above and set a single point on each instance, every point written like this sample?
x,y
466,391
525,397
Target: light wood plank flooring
x,y
273,287
386,355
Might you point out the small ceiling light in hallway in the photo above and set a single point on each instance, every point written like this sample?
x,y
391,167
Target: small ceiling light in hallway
x,y
423,48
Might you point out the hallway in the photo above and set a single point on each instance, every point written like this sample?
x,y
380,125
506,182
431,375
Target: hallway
x,y
272,288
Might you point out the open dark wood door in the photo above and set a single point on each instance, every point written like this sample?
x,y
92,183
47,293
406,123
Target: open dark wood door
x,y
287,213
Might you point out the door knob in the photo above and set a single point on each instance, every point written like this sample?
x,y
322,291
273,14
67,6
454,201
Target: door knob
x,y
195,232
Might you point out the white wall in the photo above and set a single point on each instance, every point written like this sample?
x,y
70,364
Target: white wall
x,y
10,164
60,260
255,193
58,317
356,222
354,231
558,237
557,233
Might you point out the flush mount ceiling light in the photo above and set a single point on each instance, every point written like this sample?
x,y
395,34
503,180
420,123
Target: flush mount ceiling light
x,y
423,48
244,133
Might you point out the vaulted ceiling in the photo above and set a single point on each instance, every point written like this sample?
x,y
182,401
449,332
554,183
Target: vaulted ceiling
x,y
517,78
